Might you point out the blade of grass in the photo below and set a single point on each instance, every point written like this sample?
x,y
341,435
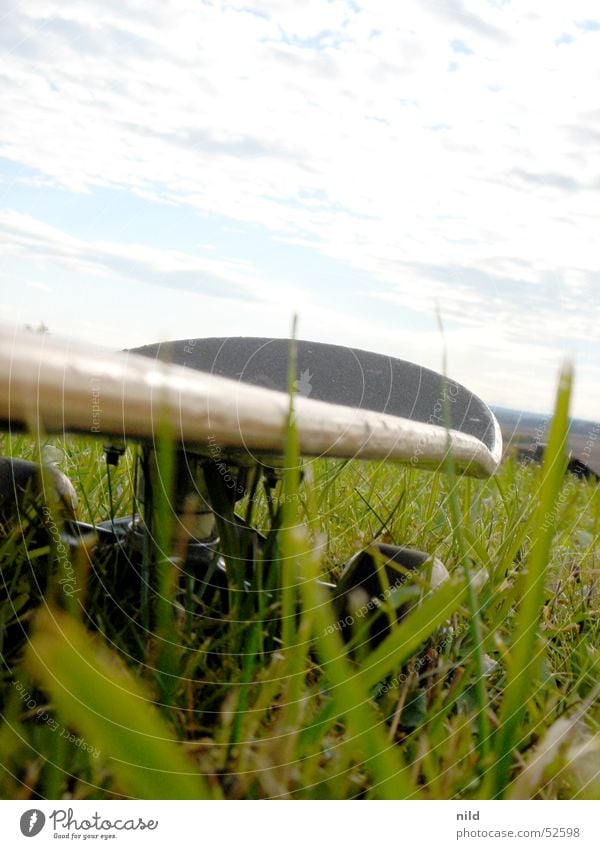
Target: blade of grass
x,y
300,558
483,730
391,779
289,509
412,632
96,693
524,659
166,570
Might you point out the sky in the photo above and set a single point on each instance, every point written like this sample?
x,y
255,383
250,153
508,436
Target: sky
x,y
182,168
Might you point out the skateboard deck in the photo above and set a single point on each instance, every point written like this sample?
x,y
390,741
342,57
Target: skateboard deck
x,y
231,393
337,375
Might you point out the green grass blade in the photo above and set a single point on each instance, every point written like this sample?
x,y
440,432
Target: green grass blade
x,y
367,732
412,632
97,695
289,510
525,658
461,544
168,651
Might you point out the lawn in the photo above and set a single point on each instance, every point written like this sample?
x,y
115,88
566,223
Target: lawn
x,y
487,688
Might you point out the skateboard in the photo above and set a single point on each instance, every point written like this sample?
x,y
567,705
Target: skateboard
x,y
226,403
359,405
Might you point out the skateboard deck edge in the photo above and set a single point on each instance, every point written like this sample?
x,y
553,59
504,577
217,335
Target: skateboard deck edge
x,y
70,386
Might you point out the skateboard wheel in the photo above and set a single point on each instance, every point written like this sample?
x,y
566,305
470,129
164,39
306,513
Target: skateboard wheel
x,y
364,594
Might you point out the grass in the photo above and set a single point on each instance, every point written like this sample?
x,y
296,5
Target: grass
x,y
167,691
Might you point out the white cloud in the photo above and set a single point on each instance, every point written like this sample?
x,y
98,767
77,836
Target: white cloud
x,y
28,238
338,127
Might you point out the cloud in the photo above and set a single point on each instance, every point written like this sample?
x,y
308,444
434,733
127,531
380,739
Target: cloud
x,y
459,46
456,12
29,238
549,180
588,26
331,125
564,38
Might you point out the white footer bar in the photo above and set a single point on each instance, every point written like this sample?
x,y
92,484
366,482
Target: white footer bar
x,y
301,824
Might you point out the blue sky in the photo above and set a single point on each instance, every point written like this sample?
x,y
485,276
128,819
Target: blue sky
x,y
189,168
